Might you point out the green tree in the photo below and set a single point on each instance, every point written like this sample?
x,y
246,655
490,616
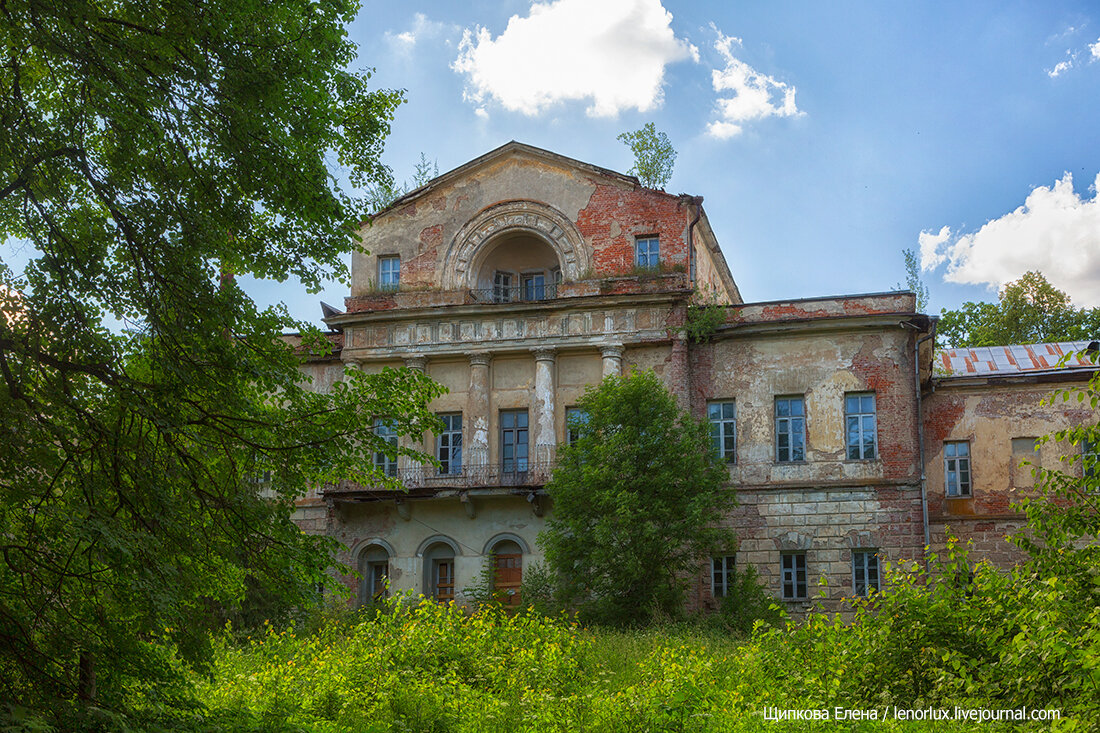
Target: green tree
x,y
384,193
654,155
148,152
637,499
1030,311
913,280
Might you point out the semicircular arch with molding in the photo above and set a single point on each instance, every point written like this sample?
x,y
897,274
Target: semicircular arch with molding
x,y
531,217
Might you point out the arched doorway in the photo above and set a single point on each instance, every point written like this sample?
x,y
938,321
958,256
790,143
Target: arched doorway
x,y
439,571
374,571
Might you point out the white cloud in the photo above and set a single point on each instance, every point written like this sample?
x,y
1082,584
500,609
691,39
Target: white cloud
x,y
423,28
755,95
612,53
1056,231
1059,68
1095,49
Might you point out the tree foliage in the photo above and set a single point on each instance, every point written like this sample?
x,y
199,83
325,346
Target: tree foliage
x,y
382,194
913,280
146,152
1030,311
637,497
654,155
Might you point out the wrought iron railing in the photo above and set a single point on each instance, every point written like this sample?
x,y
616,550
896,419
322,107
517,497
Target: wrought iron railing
x,y
524,474
515,294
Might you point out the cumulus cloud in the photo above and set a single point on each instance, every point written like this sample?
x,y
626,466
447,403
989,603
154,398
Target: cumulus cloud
x,y
1059,68
1094,48
612,53
755,95
1056,231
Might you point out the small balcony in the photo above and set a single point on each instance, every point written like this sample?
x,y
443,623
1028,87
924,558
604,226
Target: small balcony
x,y
428,480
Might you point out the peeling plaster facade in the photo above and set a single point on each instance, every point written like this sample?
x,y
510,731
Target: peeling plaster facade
x,y
472,312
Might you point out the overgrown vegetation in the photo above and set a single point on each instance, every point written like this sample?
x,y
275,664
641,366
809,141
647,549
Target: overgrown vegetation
x,y
654,156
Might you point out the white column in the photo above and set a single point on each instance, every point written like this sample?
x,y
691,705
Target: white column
x,y
612,360
475,419
412,472
542,432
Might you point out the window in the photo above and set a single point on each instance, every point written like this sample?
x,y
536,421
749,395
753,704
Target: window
x,y
864,571
647,252
508,572
956,468
859,413
385,430
448,446
721,575
502,287
534,287
389,272
513,441
575,418
723,429
1090,459
443,579
794,575
790,429
374,565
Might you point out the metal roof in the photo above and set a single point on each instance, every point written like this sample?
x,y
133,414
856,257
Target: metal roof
x,y
1009,360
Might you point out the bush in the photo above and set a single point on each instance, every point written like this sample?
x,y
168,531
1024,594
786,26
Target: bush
x,y
746,602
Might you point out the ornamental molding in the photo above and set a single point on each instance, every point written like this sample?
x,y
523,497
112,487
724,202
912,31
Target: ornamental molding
x,y
531,217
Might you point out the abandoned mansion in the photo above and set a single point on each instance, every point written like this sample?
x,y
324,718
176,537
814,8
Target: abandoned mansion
x,y
523,276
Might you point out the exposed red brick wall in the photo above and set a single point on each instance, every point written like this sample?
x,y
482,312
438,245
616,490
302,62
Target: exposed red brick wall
x,y
615,217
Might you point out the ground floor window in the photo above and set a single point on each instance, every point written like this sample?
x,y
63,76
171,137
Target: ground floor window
x,y
794,575
864,571
721,575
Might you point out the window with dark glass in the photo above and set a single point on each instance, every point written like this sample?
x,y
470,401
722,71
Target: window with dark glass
x,y
721,575
723,429
647,252
449,444
790,429
385,430
859,415
534,286
793,575
502,287
513,441
389,272
575,418
956,468
1090,459
864,571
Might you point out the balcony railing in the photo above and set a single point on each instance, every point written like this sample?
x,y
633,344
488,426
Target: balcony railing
x,y
530,474
515,294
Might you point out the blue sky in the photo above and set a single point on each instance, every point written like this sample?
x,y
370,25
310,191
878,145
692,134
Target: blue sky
x,y
824,137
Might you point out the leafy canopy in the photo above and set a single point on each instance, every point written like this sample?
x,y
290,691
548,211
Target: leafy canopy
x,y
1030,311
913,280
147,151
637,499
654,155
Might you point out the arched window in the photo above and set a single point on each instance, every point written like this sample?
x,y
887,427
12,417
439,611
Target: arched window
x,y
508,575
439,570
374,567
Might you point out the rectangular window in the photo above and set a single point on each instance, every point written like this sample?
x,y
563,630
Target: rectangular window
x,y
1090,460
723,429
575,418
859,414
647,252
721,575
956,468
389,272
385,430
794,575
377,573
534,287
864,571
502,287
513,441
448,445
790,429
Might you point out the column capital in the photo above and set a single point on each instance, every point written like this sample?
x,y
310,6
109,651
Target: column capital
x,y
479,358
416,363
612,351
544,353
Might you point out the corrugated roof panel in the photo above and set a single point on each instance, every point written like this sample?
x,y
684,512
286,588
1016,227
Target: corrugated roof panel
x,y
1015,359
